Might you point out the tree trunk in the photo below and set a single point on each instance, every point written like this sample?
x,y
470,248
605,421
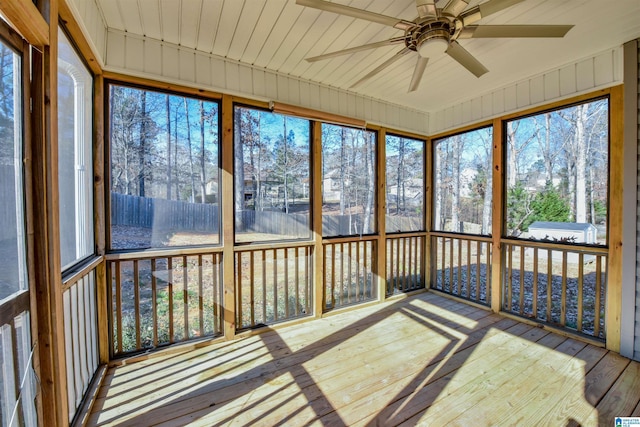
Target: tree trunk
x,y
371,182
455,190
203,178
488,198
512,166
169,172
143,137
342,171
238,174
581,163
400,194
191,171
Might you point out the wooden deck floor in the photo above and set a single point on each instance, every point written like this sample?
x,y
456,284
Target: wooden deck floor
x,y
423,360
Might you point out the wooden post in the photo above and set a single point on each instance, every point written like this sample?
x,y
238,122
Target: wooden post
x,y
316,215
381,214
616,182
428,213
497,213
48,277
228,257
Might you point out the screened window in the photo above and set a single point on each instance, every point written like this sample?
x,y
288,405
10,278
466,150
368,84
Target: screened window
x,y
17,381
271,176
463,182
348,181
557,174
405,184
165,175
75,168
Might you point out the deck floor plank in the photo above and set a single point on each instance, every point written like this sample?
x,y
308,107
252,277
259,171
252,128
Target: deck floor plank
x,y
425,359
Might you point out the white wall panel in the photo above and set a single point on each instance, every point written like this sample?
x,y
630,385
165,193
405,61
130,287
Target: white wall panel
x,y
134,55
599,71
152,55
187,65
178,64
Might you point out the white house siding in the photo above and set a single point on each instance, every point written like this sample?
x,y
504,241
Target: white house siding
x,y
587,75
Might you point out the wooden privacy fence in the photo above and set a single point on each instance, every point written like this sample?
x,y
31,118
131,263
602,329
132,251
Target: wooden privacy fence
x,y
164,214
273,222
557,284
461,266
161,300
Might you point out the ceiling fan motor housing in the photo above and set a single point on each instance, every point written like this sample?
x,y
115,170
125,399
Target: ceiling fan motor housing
x,y
429,39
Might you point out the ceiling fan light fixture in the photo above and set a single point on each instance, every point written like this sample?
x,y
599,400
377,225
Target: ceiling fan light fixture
x,y
433,48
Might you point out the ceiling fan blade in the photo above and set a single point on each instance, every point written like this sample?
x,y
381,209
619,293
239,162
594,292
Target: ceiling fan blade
x,y
485,9
455,7
426,8
465,59
497,31
389,42
417,73
357,13
381,67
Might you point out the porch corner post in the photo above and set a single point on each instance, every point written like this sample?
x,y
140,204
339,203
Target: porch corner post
x,y
381,209
317,280
497,214
228,257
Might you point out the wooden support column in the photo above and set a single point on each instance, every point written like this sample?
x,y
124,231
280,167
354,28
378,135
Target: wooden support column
x,y
48,278
428,211
228,258
616,182
316,215
381,214
100,217
497,213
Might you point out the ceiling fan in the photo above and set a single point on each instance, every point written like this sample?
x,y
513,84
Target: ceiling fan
x,y
434,31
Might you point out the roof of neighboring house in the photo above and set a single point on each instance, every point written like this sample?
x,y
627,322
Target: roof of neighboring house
x,y
566,226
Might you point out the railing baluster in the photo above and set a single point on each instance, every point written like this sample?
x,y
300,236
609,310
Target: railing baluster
x,y
563,298
286,282
358,272
154,301
297,280
596,308
264,285
170,290
238,273
185,294
348,280
119,305
136,301
509,277
275,283
252,291
333,275
215,271
521,301
549,279
200,297
580,291
468,269
535,283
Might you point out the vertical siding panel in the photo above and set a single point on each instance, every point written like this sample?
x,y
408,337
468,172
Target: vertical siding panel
x,y
457,114
294,91
283,88
116,50
351,106
342,103
259,86
568,79
152,56
487,105
523,97
476,108
585,75
510,98
134,53
170,59
232,80
271,83
334,96
325,99
218,78
314,93
552,85
304,93
498,102
536,90
203,70
246,80
603,68
187,65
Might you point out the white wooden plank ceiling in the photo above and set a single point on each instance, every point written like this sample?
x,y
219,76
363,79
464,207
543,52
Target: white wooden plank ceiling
x,y
278,35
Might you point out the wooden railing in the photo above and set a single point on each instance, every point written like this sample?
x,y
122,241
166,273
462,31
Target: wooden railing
x,y
461,266
163,299
348,271
272,284
17,379
405,263
556,284
79,299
